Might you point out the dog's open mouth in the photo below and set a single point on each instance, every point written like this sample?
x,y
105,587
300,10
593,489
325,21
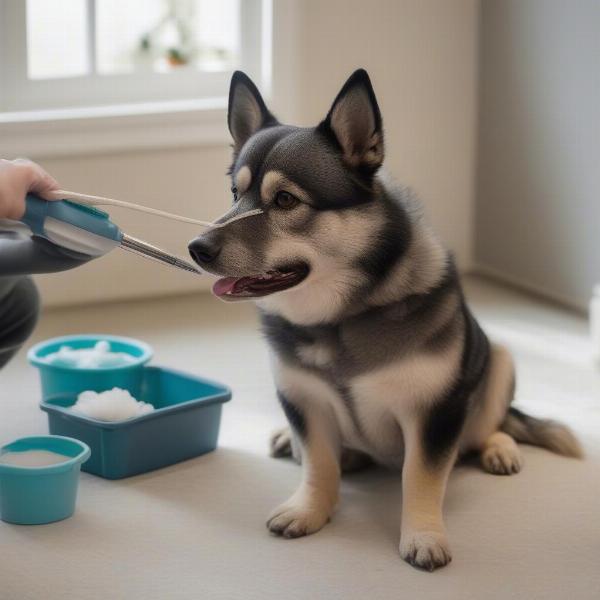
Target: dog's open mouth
x,y
277,280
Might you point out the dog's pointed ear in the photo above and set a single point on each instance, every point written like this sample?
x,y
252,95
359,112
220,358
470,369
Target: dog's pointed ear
x,y
355,122
247,111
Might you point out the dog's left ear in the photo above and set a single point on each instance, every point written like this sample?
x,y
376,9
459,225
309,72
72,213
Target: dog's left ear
x,y
355,121
247,112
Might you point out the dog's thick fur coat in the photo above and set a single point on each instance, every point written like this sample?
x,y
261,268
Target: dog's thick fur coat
x,y
376,355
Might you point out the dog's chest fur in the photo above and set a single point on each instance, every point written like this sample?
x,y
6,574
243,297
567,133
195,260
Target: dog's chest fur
x,y
372,372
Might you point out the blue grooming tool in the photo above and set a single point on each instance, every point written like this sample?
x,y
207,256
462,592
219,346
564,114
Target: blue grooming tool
x,y
84,231
79,228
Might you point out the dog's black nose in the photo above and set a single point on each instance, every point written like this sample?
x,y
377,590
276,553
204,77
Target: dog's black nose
x,y
203,251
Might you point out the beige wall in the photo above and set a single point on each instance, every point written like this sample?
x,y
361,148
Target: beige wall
x,y
422,58
421,55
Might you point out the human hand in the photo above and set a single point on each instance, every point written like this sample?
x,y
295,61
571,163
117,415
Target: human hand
x,y
17,178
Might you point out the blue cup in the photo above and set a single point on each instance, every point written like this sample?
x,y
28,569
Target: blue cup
x,y
60,379
43,494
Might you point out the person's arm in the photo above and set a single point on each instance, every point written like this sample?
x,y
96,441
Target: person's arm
x,y
21,255
17,178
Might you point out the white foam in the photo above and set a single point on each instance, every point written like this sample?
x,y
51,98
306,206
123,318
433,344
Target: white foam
x,y
32,458
112,405
98,357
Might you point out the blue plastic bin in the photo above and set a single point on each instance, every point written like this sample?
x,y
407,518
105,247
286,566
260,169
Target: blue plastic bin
x,y
185,424
64,380
36,495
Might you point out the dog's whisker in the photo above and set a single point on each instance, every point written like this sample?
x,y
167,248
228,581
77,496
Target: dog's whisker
x,y
250,213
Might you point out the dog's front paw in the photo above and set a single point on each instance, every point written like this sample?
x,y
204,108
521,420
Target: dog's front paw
x,y
294,519
427,550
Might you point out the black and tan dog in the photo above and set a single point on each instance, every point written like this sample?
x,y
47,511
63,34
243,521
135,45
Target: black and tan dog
x,y
375,351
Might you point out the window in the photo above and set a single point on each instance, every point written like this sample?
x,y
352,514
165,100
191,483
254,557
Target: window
x,y
76,54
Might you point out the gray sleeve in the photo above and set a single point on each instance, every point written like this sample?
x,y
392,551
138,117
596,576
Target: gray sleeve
x,y
21,255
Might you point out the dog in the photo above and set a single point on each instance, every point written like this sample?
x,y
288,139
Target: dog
x,y
375,353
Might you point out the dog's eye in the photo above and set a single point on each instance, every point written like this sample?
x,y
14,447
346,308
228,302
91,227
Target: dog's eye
x,y
285,200
234,191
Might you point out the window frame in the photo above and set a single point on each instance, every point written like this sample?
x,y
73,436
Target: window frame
x,y
68,132
18,93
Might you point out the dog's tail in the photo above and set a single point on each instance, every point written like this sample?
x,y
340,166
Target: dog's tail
x,y
541,432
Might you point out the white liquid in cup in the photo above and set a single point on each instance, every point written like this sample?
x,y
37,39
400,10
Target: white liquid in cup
x,y
32,458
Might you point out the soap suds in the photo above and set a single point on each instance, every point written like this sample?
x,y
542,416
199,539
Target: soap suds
x,y
32,458
98,357
112,405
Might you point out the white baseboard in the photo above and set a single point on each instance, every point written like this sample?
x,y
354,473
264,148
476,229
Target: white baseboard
x,y
527,286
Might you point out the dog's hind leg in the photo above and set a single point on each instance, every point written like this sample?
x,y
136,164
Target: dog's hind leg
x,y
283,444
498,452
311,506
501,455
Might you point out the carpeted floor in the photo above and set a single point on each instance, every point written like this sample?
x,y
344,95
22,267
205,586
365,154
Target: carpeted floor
x,y
196,530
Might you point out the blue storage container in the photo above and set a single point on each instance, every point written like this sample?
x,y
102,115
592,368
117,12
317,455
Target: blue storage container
x,y
58,379
184,424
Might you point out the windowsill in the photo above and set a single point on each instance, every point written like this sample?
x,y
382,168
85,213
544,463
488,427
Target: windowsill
x,y
100,129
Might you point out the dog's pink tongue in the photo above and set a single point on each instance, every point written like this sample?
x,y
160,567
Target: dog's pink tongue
x,y
224,285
